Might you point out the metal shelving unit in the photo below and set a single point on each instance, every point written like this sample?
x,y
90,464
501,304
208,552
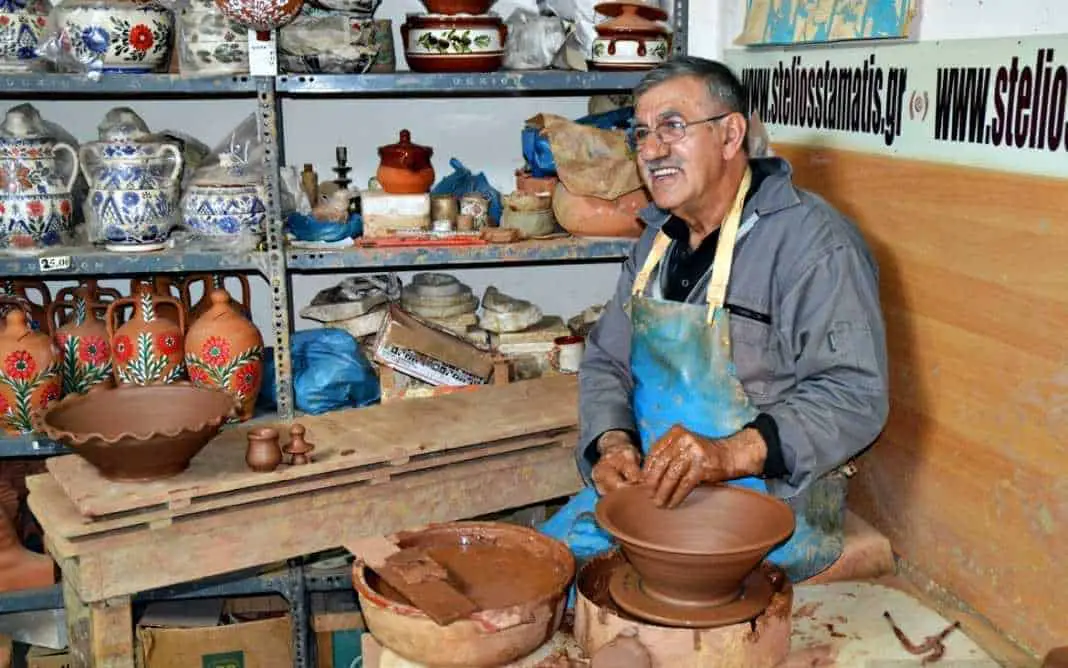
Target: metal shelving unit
x,y
277,263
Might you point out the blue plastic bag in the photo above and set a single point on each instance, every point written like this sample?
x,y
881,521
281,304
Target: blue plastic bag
x,y
307,228
539,155
329,372
462,181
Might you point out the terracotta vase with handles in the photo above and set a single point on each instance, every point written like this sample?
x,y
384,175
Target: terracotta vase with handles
x,y
223,349
38,309
82,340
97,294
164,286
148,348
209,282
29,374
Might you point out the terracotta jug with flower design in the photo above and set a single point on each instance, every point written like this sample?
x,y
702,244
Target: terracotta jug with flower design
x,y
224,349
29,374
147,349
82,340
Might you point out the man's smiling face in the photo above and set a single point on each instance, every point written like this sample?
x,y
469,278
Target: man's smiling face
x,y
681,173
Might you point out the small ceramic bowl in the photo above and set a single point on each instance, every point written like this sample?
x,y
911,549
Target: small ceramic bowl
x,y
116,36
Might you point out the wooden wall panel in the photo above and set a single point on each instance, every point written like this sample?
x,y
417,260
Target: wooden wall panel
x,y
970,478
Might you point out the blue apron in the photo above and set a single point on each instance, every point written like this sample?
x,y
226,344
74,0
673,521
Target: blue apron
x,y
683,374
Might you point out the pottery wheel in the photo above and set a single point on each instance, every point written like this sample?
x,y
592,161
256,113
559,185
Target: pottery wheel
x,y
626,590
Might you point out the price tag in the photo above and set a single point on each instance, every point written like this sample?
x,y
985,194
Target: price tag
x,y
262,54
54,262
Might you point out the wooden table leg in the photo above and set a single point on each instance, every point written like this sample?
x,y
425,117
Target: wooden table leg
x,y
100,634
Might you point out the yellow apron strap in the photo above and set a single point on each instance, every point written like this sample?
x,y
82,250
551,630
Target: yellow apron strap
x,y
721,269
728,235
656,253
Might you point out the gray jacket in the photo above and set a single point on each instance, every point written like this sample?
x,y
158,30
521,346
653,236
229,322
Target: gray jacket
x,y
819,368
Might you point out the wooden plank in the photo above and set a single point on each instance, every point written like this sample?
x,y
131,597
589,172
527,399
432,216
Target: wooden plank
x,y
71,525
100,634
970,478
223,542
387,433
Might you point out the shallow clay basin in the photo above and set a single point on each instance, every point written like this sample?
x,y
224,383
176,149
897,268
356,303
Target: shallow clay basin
x,y
138,433
700,552
517,576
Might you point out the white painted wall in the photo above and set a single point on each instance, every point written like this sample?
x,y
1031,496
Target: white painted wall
x,y
484,133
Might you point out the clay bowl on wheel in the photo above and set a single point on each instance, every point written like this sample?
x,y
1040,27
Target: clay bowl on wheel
x,y
138,433
699,553
519,579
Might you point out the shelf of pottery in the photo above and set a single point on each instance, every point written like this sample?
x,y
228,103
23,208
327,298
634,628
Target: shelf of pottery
x,y
202,38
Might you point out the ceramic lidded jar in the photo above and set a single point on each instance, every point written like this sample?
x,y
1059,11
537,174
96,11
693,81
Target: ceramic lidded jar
x,y
22,24
404,167
84,351
29,374
35,184
632,39
134,181
454,43
125,36
223,349
148,348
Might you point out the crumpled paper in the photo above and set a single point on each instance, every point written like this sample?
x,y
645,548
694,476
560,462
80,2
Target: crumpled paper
x,y
590,162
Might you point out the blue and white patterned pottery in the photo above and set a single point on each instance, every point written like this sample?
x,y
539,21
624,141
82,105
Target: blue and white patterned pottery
x,y
116,35
224,211
132,220
22,24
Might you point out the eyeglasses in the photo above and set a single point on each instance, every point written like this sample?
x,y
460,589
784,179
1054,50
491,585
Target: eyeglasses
x,y
668,132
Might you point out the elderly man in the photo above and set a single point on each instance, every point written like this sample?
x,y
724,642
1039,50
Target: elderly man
x,y
772,380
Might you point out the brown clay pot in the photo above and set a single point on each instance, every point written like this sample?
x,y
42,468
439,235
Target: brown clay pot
x,y
82,340
29,374
97,294
678,559
458,6
148,348
209,282
404,167
534,185
37,309
224,349
431,43
19,568
596,217
139,432
263,454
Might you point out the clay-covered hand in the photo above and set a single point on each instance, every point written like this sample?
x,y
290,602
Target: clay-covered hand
x,y
619,462
680,461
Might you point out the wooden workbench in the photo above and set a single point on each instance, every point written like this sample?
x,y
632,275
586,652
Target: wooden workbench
x,y
377,470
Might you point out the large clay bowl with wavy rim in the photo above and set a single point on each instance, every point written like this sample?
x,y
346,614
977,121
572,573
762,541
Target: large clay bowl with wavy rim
x,y
699,553
139,433
518,577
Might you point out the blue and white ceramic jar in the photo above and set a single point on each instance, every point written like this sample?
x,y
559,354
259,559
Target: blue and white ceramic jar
x,y
221,212
22,24
116,35
134,181
35,184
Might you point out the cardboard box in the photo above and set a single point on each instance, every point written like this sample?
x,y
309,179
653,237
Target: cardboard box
x,y
236,633
42,657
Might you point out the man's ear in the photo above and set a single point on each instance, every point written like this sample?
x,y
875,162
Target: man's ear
x,y
734,135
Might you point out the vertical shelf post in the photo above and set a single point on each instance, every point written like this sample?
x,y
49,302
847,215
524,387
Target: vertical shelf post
x,y
268,123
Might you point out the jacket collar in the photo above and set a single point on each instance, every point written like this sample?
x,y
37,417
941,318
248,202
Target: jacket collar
x,y
775,194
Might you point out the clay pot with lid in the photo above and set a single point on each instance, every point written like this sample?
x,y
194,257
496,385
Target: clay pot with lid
x,y
632,39
223,349
148,348
82,340
404,167
29,373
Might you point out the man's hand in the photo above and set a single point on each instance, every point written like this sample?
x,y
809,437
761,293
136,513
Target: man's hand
x,y
618,464
681,460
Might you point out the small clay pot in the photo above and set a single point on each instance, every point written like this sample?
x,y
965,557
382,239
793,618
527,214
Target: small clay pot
x,y
263,454
450,7
404,167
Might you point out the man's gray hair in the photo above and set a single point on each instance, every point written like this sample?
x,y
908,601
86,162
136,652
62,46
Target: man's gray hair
x,y
723,85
